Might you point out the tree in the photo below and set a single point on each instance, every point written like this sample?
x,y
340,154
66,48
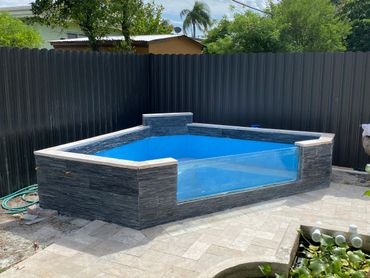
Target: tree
x,y
149,21
14,33
123,16
358,13
248,32
309,25
90,16
290,25
199,17
134,17
97,18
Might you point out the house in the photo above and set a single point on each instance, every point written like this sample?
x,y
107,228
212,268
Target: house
x,y
155,44
47,33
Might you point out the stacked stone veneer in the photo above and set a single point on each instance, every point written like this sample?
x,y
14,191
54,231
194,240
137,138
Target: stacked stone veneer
x,y
75,182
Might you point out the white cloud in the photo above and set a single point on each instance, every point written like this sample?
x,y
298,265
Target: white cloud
x,y
218,7
173,7
12,3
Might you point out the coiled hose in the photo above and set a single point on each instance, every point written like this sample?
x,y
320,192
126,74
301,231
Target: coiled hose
x,y
23,193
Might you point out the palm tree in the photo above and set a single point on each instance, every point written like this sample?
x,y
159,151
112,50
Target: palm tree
x,y
199,17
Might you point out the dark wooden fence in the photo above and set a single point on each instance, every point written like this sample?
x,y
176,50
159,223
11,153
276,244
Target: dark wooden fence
x,y
49,98
52,97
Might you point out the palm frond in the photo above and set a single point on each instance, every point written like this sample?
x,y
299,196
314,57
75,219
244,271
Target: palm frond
x,y
184,12
200,16
186,24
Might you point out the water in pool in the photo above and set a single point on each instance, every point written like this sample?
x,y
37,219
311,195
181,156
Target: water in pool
x,y
213,165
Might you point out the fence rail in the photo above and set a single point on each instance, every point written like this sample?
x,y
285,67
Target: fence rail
x,y
52,97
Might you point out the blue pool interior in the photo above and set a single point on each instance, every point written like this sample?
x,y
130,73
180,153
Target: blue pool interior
x,y
213,165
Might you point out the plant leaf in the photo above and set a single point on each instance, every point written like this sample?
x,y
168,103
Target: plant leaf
x,y
367,193
266,269
336,266
360,254
302,272
358,274
317,266
353,257
340,252
327,240
313,247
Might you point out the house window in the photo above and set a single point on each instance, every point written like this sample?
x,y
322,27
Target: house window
x,y
72,35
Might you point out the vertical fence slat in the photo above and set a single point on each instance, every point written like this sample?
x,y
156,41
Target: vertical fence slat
x,y
53,97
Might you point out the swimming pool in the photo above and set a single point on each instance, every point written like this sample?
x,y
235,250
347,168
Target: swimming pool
x,y
170,168
213,165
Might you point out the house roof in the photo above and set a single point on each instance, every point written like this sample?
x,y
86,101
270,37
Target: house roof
x,y
18,11
143,39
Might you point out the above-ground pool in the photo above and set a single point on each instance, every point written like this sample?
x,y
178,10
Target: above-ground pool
x,y
211,165
170,168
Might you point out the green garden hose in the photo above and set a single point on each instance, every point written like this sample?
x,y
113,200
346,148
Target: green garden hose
x,y
23,193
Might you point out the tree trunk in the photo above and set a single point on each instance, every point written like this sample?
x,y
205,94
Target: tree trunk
x,y
93,43
193,30
126,34
125,26
88,30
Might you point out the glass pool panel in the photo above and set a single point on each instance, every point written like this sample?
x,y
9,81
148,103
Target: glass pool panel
x,y
206,177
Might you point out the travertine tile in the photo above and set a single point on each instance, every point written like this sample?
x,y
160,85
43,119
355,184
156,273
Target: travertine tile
x,y
196,250
106,231
191,247
175,271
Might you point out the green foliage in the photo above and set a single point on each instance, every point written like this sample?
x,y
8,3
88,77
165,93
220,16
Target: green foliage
x,y
266,269
290,25
97,18
14,33
90,16
367,193
358,13
149,21
310,25
328,260
123,17
134,17
247,32
199,17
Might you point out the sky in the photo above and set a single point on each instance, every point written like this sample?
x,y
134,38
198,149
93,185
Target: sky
x,y
172,8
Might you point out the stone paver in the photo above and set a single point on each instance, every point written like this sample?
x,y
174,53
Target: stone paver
x,y
197,246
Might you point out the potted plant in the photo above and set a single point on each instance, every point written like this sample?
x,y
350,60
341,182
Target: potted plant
x,y
366,138
325,259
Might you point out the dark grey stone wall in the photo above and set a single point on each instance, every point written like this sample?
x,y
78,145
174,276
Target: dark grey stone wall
x,y
112,142
248,134
134,198
315,164
88,190
349,176
157,195
168,124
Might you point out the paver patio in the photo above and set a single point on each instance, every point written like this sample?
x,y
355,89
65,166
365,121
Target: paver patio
x,y
201,246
